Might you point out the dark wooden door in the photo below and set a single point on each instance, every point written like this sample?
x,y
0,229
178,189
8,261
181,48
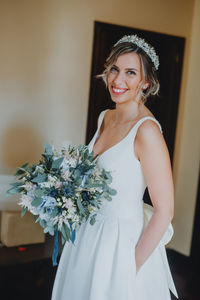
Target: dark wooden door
x,y
165,107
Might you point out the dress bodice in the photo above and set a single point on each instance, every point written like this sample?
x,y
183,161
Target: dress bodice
x,y
127,174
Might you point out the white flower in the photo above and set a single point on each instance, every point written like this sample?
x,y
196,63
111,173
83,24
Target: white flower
x,y
51,178
46,184
28,186
72,162
66,154
25,201
65,165
60,220
24,179
44,216
67,202
58,184
66,175
71,212
92,208
34,210
39,169
75,219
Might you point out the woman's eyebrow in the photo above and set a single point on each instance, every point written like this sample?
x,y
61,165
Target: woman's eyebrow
x,y
131,69
128,69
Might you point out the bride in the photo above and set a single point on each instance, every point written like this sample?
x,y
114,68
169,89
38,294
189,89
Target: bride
x,y
122,257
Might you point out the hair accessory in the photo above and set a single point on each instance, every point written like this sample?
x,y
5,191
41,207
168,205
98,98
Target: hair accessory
x,y
149,50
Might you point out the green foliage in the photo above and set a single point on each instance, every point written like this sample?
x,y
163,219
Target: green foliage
x,y
48,149
57,163
39,178
23,211
36,202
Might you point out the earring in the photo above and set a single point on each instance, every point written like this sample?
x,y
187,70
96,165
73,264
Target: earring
x,y
145,87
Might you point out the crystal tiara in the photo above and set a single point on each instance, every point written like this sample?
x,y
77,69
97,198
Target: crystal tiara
x,y
149,50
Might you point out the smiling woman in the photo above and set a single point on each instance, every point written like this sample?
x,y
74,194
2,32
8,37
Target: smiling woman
x,y
143,67
123,255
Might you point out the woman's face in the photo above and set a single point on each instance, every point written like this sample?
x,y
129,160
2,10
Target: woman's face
x,y
124,77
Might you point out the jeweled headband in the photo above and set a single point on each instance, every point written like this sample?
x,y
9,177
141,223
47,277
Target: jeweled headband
x,y
149,50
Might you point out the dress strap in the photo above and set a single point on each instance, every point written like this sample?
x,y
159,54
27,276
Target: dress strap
x,y
137,125
100,118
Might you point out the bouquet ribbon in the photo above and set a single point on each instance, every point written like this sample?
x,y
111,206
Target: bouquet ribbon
x,y
55,249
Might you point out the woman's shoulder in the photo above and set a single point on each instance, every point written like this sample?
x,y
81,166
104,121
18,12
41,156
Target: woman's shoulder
x,y
148,123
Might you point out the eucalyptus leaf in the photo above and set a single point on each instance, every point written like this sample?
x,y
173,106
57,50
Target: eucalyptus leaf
x,y
112,191
23,211
36,202
43,223
39,193
93,220
63,233
20,172
48,149
14,191
39,178
80,206
77,174
63,240
67,230
54,212
36,218
57,163
108,197
16,184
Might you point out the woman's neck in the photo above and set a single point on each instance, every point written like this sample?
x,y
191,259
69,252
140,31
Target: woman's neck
x,y
125,113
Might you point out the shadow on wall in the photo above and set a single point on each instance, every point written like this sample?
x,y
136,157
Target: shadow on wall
x,y
20,144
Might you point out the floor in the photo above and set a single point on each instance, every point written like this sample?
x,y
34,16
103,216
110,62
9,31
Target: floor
x,y
186,276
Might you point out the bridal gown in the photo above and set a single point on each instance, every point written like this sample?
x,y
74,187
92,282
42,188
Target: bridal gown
x,y
100,265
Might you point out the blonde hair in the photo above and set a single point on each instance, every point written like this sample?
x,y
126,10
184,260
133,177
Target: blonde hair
x,y
148,69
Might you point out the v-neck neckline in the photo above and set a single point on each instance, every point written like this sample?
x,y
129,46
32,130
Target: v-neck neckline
x,y
118,143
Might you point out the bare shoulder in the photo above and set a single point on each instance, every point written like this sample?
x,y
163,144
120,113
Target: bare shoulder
x,y
149,128
149,138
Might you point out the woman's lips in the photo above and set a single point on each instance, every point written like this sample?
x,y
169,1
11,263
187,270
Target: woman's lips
x,y
118,91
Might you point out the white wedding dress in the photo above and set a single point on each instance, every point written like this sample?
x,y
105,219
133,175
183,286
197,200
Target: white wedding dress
x,y
101,263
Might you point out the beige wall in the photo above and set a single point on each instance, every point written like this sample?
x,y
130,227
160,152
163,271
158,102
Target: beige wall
x,y
45,59
187,155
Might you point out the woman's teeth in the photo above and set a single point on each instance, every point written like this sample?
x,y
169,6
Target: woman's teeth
x,y
118,91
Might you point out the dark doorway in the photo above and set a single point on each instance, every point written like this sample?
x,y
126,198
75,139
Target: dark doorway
x,y
165,107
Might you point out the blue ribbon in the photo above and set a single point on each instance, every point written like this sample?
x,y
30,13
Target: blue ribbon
x,y
55,249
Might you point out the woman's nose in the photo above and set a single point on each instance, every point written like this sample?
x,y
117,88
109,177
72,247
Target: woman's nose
x,y
119,78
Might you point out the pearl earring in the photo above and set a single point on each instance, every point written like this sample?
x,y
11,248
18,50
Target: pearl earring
x,y
145,86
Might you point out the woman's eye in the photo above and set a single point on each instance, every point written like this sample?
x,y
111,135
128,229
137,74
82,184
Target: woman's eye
x,y
131,73
113,69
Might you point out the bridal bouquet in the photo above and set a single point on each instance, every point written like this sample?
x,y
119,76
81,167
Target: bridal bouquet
x,y
63,190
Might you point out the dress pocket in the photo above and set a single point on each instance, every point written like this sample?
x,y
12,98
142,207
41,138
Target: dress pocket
x,y
132,258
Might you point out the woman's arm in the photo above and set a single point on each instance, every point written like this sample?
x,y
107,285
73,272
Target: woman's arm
x,y
151,150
